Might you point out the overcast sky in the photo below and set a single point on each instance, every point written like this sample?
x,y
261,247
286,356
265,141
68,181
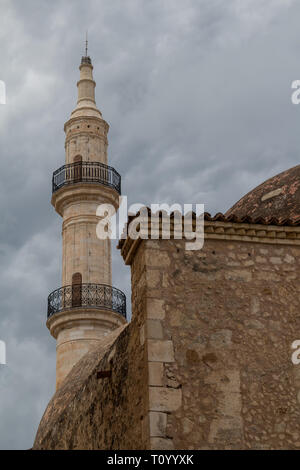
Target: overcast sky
x,y
198,97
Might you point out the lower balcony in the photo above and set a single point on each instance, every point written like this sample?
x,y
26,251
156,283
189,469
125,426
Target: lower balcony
x,y
87,295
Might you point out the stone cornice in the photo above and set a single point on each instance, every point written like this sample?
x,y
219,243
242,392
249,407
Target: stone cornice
x,y
243,232
83,192
90,132
86,118
80,220
78,316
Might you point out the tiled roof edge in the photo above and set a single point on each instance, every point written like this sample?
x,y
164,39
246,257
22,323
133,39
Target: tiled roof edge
x,y
220,217
231,219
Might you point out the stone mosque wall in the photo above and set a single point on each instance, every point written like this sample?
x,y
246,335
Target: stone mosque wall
x,y
220,325
205,362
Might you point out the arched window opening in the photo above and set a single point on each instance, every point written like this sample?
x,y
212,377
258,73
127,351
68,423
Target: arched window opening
x,y
77,159
76,290
77,168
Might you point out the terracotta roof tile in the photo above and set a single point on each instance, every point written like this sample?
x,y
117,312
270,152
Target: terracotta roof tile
x,y
232,218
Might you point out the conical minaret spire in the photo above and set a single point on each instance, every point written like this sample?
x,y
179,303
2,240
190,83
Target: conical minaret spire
x,y
86,103
86,124
86,307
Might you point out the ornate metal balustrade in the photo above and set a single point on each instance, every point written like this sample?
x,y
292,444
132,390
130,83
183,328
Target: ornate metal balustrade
x,y
86,172
87,295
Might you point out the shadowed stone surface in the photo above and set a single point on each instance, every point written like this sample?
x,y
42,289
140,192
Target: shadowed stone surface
x,y
101,413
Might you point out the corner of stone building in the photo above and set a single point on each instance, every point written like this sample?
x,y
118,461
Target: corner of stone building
x,y
164,392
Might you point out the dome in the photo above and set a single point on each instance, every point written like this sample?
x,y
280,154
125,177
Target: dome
x,y
277,197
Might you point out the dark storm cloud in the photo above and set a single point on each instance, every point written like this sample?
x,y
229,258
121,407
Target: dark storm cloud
x,y
198,98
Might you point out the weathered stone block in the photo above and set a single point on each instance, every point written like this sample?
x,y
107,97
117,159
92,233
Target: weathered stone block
x,y
153,277
275,260
157,258
155,309
175,317
158,443
187,425
154,329
158,423
156,373
239,275
221,339
160,350
164,399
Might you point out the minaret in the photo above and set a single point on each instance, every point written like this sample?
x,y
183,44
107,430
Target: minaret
x,y
86,307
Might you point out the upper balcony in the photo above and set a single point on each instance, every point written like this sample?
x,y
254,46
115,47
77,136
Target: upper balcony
x,y
86,172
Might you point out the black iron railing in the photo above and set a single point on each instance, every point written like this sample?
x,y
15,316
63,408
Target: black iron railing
x,y
86,172
87,295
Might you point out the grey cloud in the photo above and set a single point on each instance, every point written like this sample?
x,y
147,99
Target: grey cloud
x,y
197,95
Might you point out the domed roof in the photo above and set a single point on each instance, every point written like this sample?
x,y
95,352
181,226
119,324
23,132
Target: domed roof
x,y
277,197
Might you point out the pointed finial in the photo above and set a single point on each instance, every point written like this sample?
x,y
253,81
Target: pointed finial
x,y
86,44
86,59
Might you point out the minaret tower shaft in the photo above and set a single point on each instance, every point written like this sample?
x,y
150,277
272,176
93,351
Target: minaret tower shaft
x,y
86,307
